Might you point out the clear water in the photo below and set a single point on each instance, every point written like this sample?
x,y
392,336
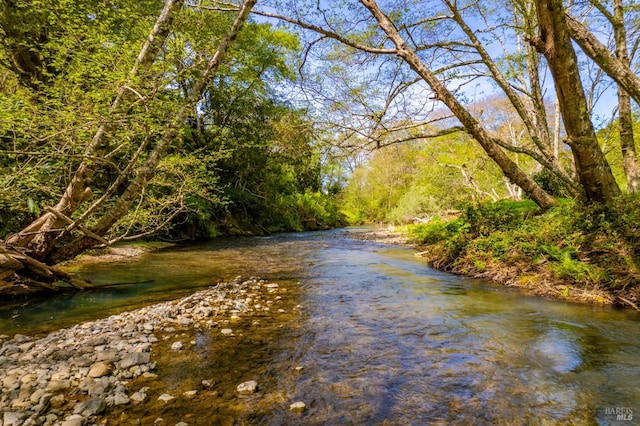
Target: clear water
x,y
381,339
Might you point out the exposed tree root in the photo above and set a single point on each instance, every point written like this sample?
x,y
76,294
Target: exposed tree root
x,y
21,273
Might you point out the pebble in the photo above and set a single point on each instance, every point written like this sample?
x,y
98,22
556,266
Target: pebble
x,y
93,362
247,388
99,369
298,407
165,397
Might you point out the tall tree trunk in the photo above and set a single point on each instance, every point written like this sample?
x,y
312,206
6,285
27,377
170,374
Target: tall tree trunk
x,y
534,119
508,167
40,236
555,44
625,119
147,170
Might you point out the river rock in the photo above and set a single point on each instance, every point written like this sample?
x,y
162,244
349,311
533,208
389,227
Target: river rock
x,y
247,388
90,407
21,338
56,385
99,369
120,399
37,395
13,418
298,407
97,389
177,346
165,397
190,394
108,355
226,332
57,401
138,397
74,420
81,361
134,358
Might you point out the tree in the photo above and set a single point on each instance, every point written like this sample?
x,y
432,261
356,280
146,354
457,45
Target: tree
x,y
625,120
50,239
375,44
554,43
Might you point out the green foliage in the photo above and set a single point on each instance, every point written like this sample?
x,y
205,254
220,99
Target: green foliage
x,y
550,183
484,218
437,230
247,161
402,183
586,245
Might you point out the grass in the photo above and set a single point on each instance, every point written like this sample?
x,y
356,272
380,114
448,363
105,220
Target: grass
x,y
575,252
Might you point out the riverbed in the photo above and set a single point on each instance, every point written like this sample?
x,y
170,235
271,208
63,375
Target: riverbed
x,y
367,335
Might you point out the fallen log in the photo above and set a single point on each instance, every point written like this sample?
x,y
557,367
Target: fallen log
x,y
15,263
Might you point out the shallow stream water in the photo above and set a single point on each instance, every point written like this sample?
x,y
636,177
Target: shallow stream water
x,y
369,335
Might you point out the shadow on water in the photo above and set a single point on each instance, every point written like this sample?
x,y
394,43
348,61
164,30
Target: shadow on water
x,y
378,339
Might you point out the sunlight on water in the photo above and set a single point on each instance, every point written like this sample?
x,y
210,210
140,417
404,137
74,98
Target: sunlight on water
x,y
378,339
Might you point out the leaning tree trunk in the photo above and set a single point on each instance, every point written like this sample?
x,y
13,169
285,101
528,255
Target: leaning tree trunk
x,y
17,257
472,126
39,237
555,44
147,170
625,118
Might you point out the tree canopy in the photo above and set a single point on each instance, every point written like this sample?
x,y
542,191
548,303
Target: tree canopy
x,y
184,119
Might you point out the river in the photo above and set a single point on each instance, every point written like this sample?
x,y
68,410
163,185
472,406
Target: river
x,y
377,338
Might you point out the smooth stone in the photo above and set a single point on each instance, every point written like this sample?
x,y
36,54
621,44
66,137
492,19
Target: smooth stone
x,y
120,399
90,407
74,420
24,347
247,388
191,393
134,358
177,346
99,369
37,395
226,331
165,397
185,321
298,407
13,419
21,338
108,355
97,389
57,401
81,361
56,385
138,397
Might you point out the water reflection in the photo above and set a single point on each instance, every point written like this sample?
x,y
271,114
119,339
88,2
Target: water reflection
x,y
384,340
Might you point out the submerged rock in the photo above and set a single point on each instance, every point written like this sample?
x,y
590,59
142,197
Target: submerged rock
x,y
298,407
165,397
247,388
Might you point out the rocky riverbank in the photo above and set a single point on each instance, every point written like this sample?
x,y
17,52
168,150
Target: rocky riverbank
x,y
91,372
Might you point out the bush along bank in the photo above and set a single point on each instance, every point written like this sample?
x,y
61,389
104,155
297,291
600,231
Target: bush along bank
x,y
587,254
